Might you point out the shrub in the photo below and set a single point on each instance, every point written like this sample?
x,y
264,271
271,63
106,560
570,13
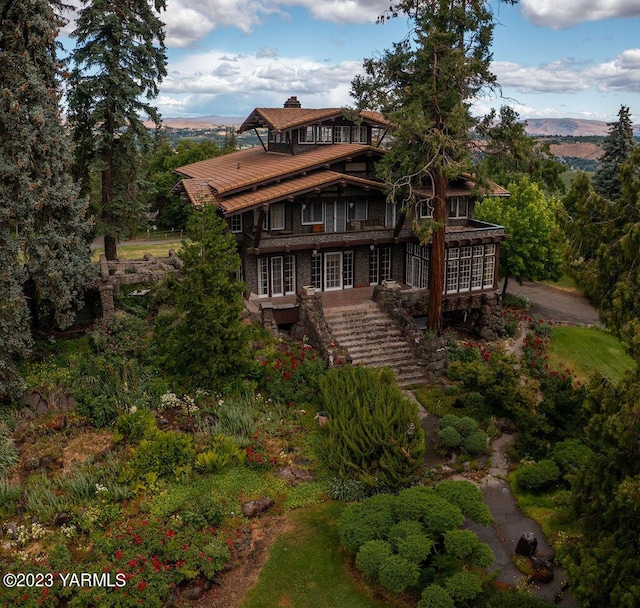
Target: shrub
x,y
467,497
448,420
348,490
449,438
374,433
371,555
472,400
123,335
411,503
464,586
441,516
396,573
10,494
404,529
435,596
224,452
571,454
476,443
369,520
162,454
465,425
460,543
415,547
135,426
536,476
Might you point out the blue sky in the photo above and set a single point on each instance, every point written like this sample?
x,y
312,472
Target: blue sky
x,y
553,58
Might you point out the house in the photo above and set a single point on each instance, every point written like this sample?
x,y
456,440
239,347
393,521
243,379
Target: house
x,y
308,210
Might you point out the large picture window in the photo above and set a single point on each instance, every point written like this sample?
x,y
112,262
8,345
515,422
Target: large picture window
x,y
458,206
324,135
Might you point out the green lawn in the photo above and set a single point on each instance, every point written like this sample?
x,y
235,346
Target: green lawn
x,y
306,567
564,282
587,350
137,251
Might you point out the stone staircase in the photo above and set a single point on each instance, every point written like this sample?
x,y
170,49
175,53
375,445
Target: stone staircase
x,y
372,339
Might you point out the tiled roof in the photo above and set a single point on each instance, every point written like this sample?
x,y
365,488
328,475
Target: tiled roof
x,y
291,187
465,186
198,191
238,171
281,119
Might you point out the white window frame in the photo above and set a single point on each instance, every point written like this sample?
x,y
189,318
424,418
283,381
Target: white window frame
x,y
306,135
417,270
312,208
391,215
426,208
459,207
276,216
464,274
477,267
359,135
236,223
489,266
324,134
341,135
347,269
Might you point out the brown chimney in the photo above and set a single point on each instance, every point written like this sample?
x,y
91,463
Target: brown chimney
x,y
292,102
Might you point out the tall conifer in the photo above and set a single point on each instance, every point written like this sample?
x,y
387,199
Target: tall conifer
x,y
117,64
42,221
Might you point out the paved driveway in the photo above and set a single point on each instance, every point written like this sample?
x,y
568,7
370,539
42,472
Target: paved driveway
x,y
556,304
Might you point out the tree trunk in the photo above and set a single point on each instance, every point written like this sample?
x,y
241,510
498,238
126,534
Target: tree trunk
x,y
110,243
504,285
110,247
436,270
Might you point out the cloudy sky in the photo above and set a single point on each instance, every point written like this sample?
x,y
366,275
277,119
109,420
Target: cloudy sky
x,y
553,58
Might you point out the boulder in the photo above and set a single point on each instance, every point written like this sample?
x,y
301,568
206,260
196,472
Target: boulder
x,y
542,569
527,544
253,508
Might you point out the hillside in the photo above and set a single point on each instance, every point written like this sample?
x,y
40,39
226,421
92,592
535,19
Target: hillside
x,y
571,127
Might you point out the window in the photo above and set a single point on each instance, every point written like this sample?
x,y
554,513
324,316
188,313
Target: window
x,y
379,265
426,208
465,269
476,272
417,271
236,223
489,265
276,276
341,135
312,213
347,269
359,135
324,135
458,206
357,210
391,213
276,216
306,135
453,255
316,271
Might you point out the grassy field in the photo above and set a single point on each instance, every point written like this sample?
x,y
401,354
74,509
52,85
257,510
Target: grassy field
x,y
565,282
587,349
140,248
306,567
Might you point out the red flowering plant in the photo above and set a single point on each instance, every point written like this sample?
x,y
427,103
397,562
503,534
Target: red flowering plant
x,y
290,375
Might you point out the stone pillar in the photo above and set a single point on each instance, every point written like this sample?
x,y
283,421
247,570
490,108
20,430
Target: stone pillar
x,y
106,301
489,323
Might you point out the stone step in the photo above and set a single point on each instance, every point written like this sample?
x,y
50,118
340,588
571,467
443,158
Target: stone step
x,y
373,340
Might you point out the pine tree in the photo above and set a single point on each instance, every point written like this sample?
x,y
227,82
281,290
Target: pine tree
x,y
43,228
118,62
425,84
617,146
208,345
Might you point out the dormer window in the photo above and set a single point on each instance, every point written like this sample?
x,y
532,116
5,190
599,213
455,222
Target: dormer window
x,y
306,135
359,135
341,135
324,135
458,206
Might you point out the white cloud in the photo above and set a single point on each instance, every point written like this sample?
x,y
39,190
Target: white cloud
x,y
255,80
569,76
565,13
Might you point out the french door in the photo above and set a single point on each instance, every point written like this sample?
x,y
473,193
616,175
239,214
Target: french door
x,y
333,271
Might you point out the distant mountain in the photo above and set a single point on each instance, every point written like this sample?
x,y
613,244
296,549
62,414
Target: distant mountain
x,y
202,122
569,127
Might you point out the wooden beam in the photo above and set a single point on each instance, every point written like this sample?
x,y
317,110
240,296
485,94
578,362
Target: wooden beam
x,y
258,234
260,139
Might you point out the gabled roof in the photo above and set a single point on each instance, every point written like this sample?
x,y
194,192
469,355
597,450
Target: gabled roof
x,y
290,188
281,119
234,172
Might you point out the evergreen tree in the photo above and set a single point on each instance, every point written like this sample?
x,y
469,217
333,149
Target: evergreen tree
x,y
42,221
511,153
208,345
425,84
117,64
617,146
532,250
230,143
